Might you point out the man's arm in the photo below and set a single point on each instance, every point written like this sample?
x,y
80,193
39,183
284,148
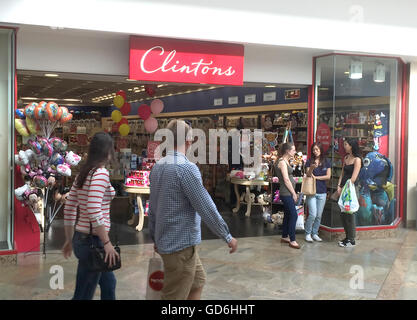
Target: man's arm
x,y
201,201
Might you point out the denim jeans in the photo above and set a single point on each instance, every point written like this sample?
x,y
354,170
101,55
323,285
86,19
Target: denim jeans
x,y
87,281
315,210
290,217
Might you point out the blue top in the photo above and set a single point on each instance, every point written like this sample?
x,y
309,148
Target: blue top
x,y
320,171
177,194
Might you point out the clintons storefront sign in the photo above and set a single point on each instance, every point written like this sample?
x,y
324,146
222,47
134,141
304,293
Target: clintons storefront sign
x,y
172,60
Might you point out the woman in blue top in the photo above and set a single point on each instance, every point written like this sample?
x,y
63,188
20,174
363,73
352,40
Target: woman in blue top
x,y
319,168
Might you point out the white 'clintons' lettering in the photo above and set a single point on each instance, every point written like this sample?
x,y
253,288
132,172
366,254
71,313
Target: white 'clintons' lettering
x,y
203,67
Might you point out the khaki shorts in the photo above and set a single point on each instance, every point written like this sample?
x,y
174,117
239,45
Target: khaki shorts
x,y
183,272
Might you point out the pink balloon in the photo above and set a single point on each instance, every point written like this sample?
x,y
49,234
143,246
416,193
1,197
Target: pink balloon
x,y
157,106
151,124
144,111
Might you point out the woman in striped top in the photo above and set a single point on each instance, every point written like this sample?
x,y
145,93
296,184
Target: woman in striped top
x,y
91,193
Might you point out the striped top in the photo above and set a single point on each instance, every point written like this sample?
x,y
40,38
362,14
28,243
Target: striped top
x,y
93,200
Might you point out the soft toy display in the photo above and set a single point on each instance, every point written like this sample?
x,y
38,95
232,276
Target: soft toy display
x,y
276,196
45,159
376,197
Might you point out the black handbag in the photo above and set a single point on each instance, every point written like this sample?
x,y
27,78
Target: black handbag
x,y
96,257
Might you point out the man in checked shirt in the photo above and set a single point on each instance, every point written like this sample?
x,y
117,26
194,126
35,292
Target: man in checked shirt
x,y
178,201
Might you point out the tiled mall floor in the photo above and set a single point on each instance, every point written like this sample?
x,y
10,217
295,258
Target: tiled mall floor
x,y
263,268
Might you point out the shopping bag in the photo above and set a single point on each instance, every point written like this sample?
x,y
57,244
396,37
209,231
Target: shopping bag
x,y
308,186
348,200
300,219
155,279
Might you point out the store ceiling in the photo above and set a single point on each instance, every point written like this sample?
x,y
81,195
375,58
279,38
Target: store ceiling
x,y
89,91
95,90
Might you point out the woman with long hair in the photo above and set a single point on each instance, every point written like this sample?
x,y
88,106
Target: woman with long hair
x,y
92,193
320,168
351,167
287,194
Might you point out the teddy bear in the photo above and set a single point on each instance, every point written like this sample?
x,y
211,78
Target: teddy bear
x,y
268,123
20,192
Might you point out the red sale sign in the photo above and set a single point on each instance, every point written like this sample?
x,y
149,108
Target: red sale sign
x,y
324,136
173,60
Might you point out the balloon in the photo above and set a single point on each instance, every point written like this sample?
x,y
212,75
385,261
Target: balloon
x,y
59,113
66,118
40,110
57,159
51,110
30,109
157,106
151,124
116,116
150,90
21,127
121,93
31,125
124,129
126,109
144,111
20,113
40,181
118,101
123,121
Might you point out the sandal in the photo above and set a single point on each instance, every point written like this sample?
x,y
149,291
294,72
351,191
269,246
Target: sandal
x,y
283,240
294,246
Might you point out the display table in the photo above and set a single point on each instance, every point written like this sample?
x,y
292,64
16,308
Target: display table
x,y
138,191
244,182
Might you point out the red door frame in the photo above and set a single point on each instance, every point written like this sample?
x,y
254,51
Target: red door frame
x,y
402,122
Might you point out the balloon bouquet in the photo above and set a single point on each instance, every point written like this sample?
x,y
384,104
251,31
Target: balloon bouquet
x,y
45,159
145,112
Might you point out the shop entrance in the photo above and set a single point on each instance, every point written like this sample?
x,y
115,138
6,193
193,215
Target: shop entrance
x,y
278,112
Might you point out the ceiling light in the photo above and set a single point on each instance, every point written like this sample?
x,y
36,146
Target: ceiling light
x,y
129,89
76,100
131,80
29,98
270,86
50,99
355,69
52,75
160,85
379,73
346,72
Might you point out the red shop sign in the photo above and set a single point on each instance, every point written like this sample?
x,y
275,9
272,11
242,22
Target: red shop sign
x,y
172,60
323,136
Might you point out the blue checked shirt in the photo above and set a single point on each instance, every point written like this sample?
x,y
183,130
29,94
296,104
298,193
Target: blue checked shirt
x,y
177,195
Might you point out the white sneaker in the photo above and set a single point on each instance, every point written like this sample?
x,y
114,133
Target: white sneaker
x,y
317,238
308,238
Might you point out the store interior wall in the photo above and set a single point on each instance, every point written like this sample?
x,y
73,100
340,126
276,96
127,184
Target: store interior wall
x,y
412,149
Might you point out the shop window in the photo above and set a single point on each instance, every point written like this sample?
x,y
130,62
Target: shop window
x,y
7,68
357,97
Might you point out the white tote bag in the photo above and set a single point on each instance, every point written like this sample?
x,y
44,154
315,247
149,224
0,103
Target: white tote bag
x,y
348,200
155,279
300,219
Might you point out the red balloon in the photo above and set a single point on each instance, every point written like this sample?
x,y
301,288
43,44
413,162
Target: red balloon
x,y
150,90
144,111
125,110
121,93
123,121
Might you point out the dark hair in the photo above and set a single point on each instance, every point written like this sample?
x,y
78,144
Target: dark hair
x,y
101,146
318,145
285,147
356,152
